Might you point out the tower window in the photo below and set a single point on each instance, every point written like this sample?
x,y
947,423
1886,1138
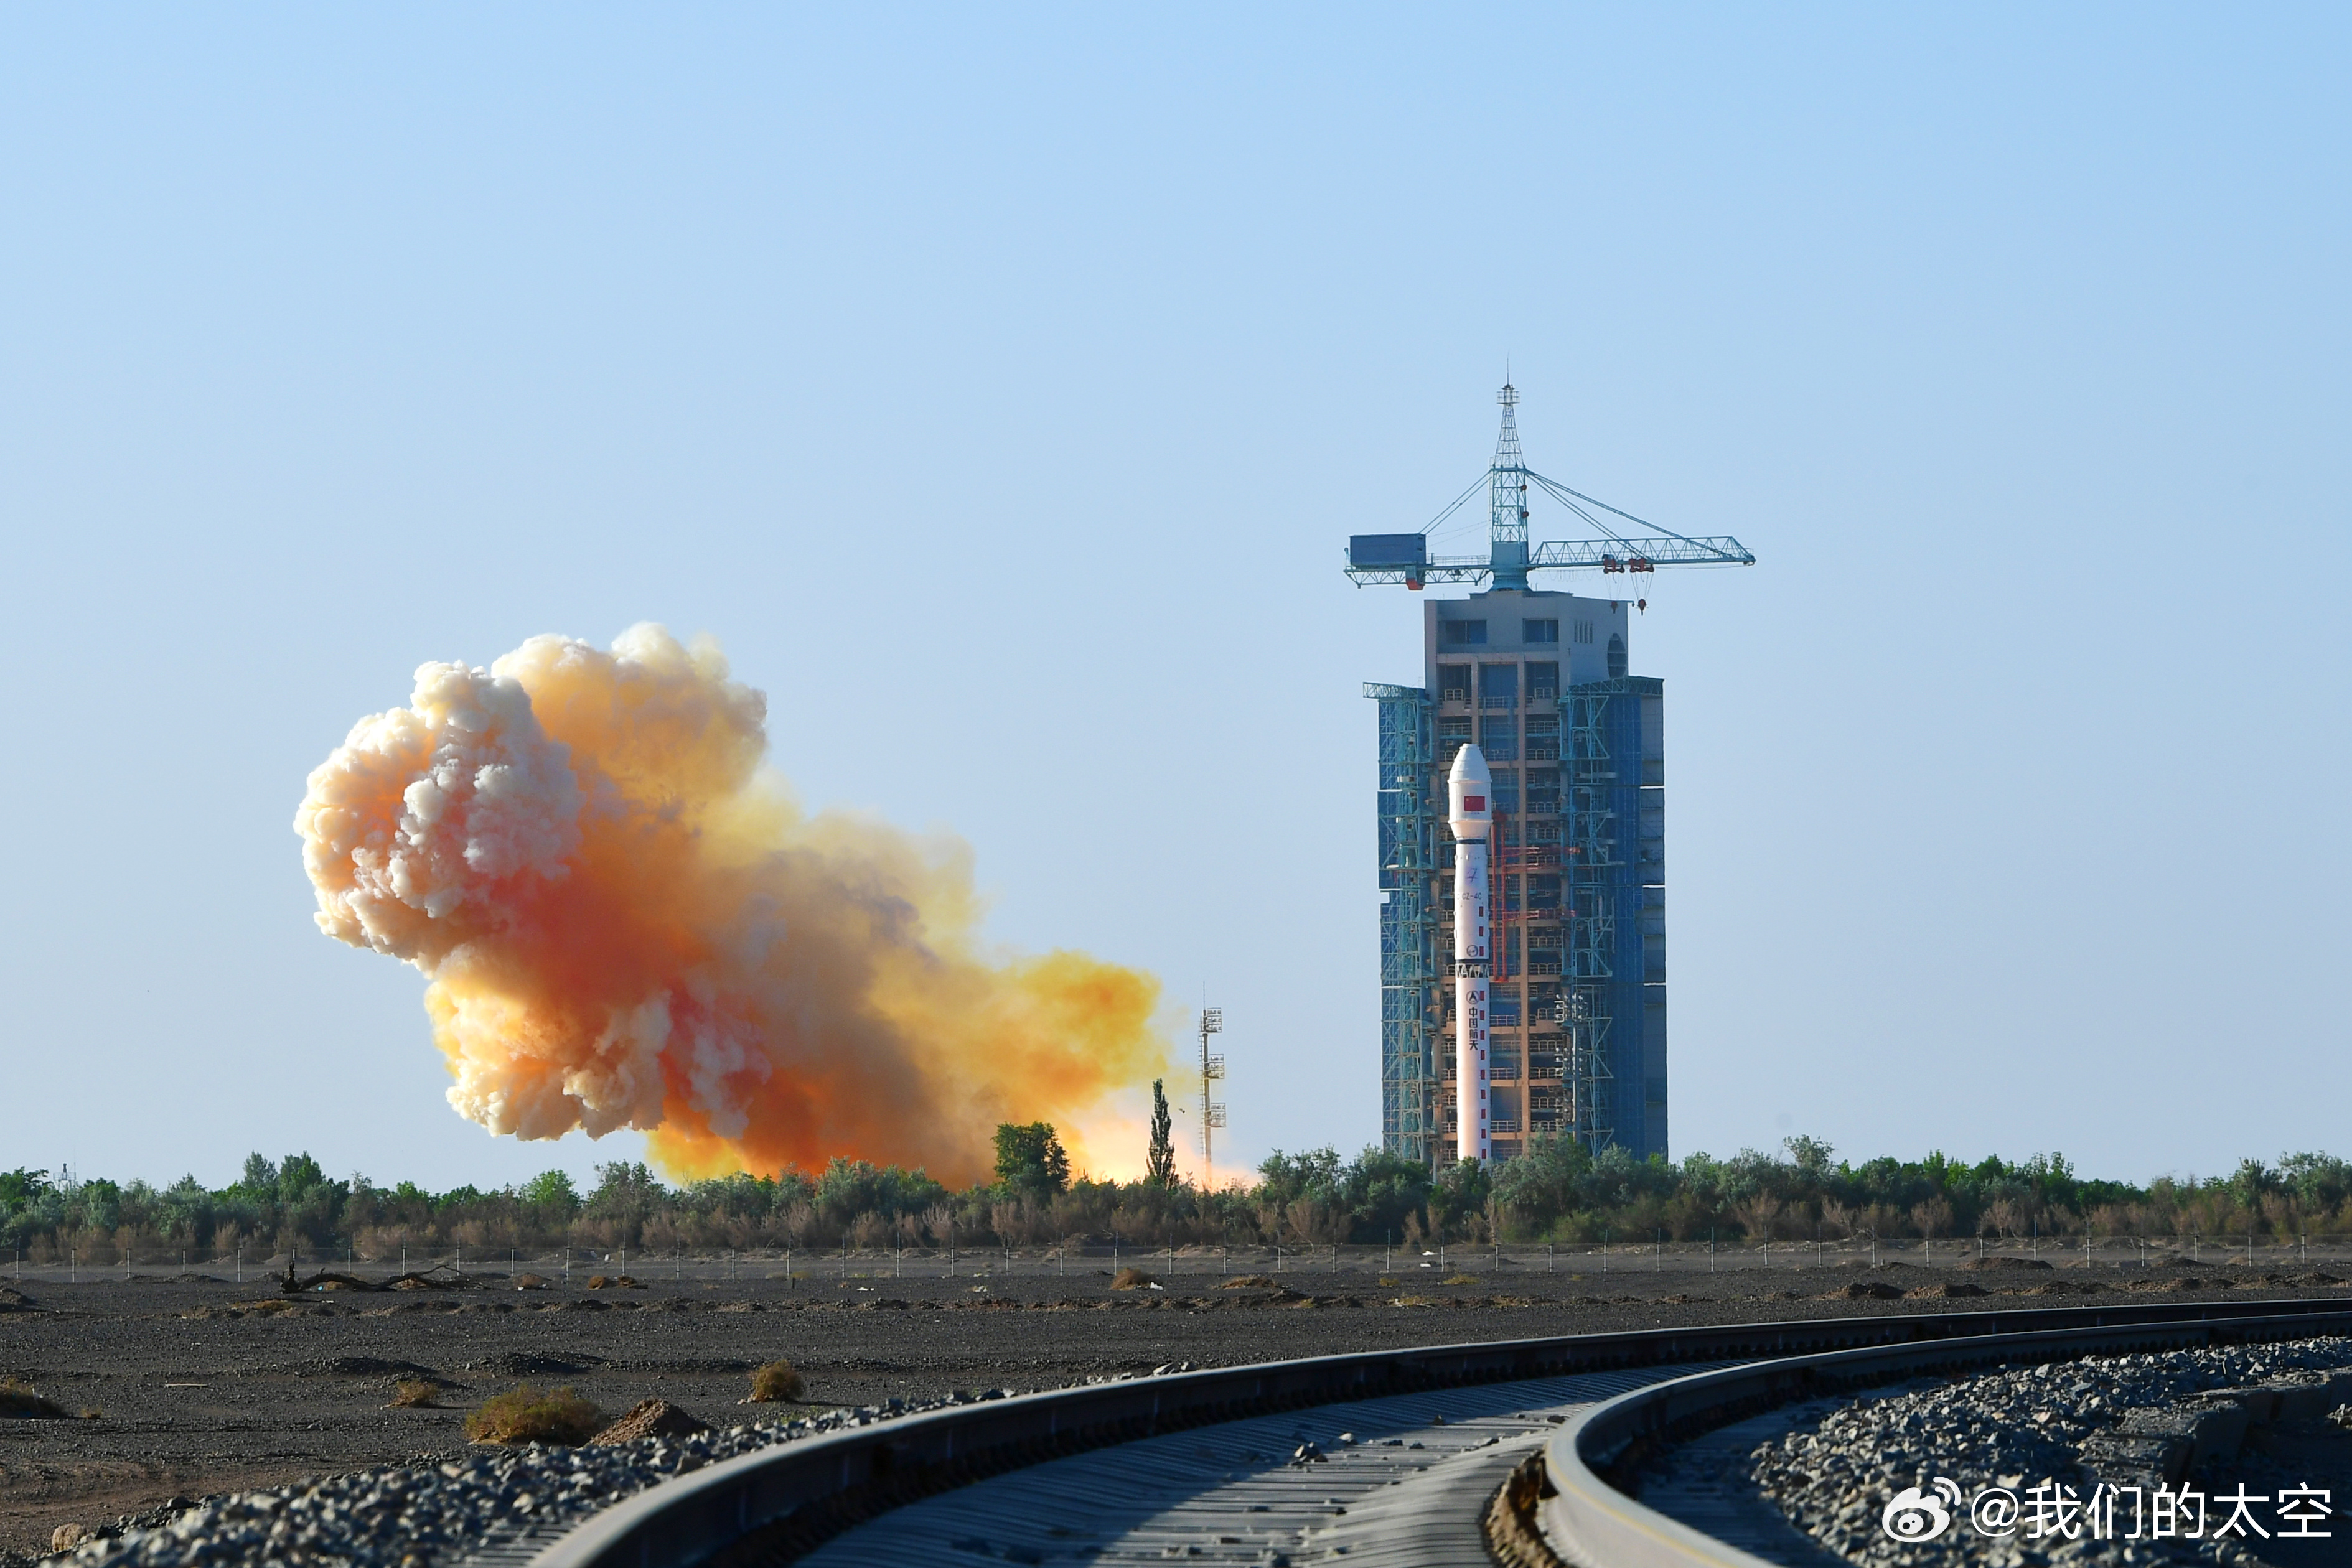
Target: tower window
x,y
1460,633
1616,656
1539,630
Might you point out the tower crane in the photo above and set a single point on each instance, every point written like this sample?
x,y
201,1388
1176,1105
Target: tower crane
x,y
1634,549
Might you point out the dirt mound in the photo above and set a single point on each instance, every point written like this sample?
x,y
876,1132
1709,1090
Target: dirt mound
x,y
613,1282
1992,1260
1866,1290
12,1300
530,1283
1946,1289
369,1366
651,1418
326,1281
2314,1279
521,1364
23,1401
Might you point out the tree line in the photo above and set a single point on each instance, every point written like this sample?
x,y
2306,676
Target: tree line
x,y
1555,1192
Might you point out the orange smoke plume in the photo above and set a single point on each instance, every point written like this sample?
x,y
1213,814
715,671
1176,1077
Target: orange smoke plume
x,y
627,924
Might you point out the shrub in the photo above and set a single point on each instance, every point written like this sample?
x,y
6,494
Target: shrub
x,y
524,1414
19,1399
779,1382
414,1394
1131,1280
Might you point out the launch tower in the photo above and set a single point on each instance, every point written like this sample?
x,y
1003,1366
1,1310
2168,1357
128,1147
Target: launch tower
x,y
1541,681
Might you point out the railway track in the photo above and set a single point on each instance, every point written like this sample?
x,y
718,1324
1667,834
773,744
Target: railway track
x,y
1389,1458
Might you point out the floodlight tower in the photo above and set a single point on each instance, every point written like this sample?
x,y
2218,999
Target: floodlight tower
x,y
1213,1111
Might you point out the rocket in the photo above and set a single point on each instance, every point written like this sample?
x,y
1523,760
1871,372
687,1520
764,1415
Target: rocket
x,y
1470,814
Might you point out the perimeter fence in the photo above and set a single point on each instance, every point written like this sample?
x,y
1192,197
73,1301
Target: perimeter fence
x,y
1078,1257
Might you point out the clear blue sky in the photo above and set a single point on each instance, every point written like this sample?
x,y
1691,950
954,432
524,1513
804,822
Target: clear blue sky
x,y
999,384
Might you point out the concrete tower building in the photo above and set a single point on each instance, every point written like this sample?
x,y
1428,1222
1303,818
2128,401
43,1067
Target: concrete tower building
x,y
1578,992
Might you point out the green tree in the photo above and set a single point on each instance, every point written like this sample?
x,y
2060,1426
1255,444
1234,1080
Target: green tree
x,y
297,1175
1030,1158
1539,1186
552,1192
1161,1162
21,1186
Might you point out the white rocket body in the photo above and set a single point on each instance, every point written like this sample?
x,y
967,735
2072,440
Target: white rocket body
x,y
1470,814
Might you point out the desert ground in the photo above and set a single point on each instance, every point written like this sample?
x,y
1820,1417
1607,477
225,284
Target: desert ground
x,y
190,1385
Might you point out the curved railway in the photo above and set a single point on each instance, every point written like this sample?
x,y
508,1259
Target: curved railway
x,y
1388,1457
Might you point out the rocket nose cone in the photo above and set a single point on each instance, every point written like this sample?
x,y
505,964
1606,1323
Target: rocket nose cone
x,y
1469,766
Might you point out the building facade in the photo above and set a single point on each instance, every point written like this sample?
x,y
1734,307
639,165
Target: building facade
x,y
1541,681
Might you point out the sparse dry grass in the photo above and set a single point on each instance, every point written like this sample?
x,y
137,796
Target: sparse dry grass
x,y
1132,1280
1459,1280
779,1382
1251,1283
414,1394
20,1399
524,1414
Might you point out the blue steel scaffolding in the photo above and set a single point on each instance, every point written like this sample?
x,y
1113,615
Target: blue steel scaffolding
x,y
1615,871
1410,972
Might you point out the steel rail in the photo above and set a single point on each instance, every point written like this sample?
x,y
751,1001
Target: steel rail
x,y
778,1503
1590,1517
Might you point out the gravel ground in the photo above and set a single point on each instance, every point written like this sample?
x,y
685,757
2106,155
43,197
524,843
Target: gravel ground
x,y
419,1515
208,1390
2016,1428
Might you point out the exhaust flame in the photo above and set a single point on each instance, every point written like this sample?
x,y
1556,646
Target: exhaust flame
x,y
627,924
